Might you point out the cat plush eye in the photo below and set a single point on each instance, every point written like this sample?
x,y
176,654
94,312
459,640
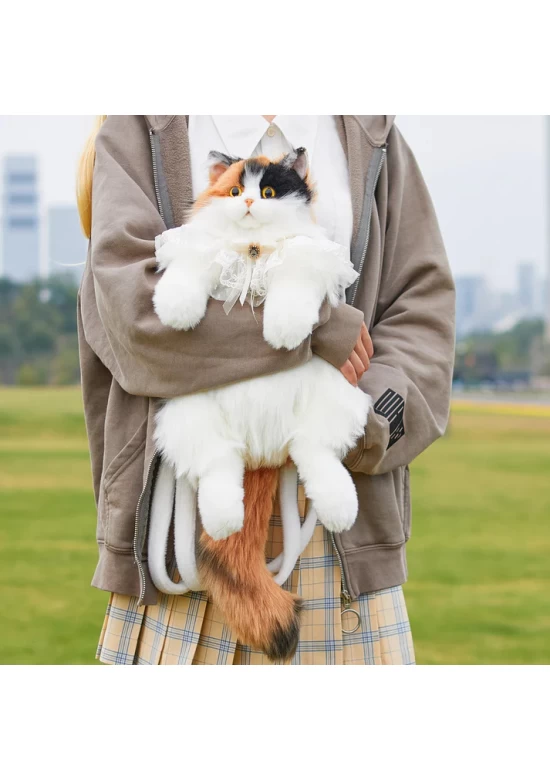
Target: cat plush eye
x,y
268,192
235,192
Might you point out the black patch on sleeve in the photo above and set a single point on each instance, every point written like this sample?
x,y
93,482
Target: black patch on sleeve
x,y
391,405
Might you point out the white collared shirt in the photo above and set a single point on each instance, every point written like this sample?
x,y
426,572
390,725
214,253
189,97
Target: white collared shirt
x,y
249,136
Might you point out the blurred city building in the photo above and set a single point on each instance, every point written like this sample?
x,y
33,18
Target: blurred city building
x,y
480,307
20,218
66,242
526,286
471,304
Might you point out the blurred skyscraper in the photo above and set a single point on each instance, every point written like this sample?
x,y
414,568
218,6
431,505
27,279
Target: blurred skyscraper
x,y
20,220
471,304
66,242
527,285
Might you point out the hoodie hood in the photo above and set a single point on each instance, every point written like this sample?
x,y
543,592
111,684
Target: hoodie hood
x,y
376,127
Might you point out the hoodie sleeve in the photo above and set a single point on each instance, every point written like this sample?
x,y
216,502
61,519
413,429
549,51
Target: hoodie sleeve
x,y
410,375
145,357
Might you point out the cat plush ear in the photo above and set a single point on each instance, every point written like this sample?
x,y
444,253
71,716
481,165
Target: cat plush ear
x,y
297,160
218,164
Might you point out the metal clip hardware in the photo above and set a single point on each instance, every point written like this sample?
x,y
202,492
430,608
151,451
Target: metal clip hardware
x,y
346,610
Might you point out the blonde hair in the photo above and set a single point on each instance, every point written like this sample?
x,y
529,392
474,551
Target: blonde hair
x,y
84,178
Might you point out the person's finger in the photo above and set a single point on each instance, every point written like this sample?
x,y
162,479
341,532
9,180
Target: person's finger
x,y
349,372
361,351
357,364
367,341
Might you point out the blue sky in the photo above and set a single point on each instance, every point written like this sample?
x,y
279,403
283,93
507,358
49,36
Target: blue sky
x,y
486,175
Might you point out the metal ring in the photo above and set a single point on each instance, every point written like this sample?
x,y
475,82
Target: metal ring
x,y
351,630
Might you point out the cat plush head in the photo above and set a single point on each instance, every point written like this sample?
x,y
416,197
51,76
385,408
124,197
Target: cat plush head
x,y
257,192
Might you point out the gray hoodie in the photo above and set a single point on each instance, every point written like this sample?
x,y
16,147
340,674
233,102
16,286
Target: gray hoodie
x,y
405,294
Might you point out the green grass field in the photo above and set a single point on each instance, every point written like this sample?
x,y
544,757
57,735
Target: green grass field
x,y
479,573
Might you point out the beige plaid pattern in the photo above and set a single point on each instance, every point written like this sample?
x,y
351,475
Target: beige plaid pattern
x,y
189,629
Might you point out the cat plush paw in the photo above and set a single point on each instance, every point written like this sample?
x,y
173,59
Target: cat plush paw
x,y
284,329
179,306
222,511
337,511
334,499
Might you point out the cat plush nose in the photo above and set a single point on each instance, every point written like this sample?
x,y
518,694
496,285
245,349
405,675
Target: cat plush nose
x,y
249,201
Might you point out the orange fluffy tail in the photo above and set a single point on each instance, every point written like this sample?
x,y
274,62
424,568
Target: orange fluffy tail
x,y
233,571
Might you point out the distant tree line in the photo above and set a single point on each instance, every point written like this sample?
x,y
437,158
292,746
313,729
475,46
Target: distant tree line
x,y
516,355
38,342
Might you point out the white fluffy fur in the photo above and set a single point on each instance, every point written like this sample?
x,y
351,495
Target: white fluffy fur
x,y
310,413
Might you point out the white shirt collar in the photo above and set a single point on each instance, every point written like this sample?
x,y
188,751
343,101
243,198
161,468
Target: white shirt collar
x,y
299,130
242,134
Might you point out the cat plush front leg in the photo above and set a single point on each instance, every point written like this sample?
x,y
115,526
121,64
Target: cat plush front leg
x,y
180,301
310,269
291,308
181,294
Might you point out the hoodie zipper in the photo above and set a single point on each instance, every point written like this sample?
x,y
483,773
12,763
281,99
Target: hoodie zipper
x,y
368,217
156,173
345,595
137,558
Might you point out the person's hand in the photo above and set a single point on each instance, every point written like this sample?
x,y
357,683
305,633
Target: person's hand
x,y
359,360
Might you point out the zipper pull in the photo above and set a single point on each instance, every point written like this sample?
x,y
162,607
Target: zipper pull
x,y
347,610
346,599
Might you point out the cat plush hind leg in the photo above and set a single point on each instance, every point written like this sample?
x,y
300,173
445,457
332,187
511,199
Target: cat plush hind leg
x,y
192,434
332,415
221,495
327,483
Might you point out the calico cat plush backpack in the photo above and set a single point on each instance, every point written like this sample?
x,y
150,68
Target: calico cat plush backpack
x,y
252,238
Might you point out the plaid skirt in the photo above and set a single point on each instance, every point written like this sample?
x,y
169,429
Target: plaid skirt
x,y
189,629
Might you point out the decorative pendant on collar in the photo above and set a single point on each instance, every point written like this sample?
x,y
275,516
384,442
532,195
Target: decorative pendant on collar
x,y
244,272
254,251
